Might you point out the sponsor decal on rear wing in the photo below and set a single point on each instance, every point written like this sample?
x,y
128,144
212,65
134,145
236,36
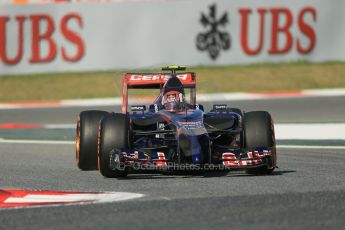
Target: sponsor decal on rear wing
x,y
156,79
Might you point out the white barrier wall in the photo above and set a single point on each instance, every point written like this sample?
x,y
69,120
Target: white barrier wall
x,y
130,35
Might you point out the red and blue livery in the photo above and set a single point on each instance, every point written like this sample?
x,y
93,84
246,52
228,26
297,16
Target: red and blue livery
x,y
173,133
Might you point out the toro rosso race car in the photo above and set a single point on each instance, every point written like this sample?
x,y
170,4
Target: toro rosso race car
x,y
173,133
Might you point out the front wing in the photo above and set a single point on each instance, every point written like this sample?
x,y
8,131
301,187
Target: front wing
x,y
143,162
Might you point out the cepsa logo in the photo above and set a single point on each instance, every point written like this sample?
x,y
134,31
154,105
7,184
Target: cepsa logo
x,y
42,30
159,77
281,38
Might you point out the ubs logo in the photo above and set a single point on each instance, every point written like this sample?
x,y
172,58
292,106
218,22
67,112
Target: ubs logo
x,y
215,38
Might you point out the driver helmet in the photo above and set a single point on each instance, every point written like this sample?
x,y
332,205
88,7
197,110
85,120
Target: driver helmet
x,y
172,101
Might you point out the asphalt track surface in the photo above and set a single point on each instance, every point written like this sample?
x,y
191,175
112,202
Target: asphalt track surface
x,y
306,192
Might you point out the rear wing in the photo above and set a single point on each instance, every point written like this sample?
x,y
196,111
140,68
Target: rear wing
x,y
154,81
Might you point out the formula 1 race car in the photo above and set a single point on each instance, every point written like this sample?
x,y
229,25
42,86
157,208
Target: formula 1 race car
x,y
173,133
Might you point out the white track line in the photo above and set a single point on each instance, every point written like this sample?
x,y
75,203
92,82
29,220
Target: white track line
x,y
36,142
321,131
315,132
291,131
308,147
60,126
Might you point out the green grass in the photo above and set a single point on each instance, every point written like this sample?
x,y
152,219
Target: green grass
x,y
248,78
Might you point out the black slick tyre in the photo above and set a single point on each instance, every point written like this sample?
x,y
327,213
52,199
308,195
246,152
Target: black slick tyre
x,y
259,133
113,134
86,139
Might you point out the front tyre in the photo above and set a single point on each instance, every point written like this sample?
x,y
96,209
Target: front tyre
x,y
113,134
259,133
86,139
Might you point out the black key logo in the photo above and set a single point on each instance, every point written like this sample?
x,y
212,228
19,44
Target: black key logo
x,y
214,39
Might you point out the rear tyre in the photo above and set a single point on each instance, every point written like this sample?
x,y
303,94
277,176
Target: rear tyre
x,y
259,133
86,139
113,134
